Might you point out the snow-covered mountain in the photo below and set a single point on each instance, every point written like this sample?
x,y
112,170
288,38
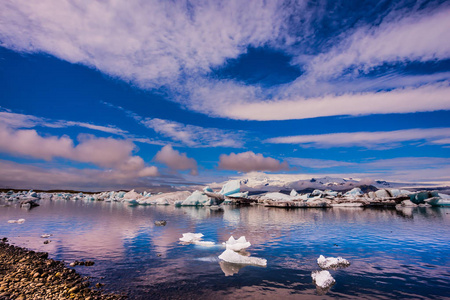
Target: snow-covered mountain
x,y
274,182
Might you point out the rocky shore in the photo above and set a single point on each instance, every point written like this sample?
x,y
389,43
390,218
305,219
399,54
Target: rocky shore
x,y
26,274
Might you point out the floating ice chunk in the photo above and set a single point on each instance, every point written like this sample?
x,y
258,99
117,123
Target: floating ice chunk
x,y
197,198
354,193
208,189
231,187
195,238
239,195
332,262
237,245
323,279
316,193
293,193
276,197
132,195
235,258
44,236
20,221
191,237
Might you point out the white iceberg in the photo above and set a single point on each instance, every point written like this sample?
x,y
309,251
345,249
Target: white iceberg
x,y
236,258
20,221
237,245
231,187
293,193
332,262
323,279
354,193
197,198
44,236
195,238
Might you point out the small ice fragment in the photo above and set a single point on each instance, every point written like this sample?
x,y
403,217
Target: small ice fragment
x,y
237,245
44,236
195,238
332,262
323,279
20,221
191,237
233,257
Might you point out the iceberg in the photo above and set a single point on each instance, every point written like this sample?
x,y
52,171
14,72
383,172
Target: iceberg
x,y
231,187
353,193
195,238
323,279
20,221
197,198
293,193
237,245
236,258
276,197
332,262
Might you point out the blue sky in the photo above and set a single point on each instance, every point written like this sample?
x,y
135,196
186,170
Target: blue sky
x,y
107,94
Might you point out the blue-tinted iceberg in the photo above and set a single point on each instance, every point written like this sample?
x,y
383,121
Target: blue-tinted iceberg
x,y
197,198
231,187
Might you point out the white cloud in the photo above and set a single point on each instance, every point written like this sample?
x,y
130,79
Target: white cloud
x,y
376,140
15,175
418,37
250,161
317,163
14,120
149,43
195,136
103,152
239,102
176,160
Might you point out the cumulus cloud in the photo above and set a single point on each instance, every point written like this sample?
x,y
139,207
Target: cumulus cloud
x,y
103,152
375,140
25,176
195,136
176,160
250,161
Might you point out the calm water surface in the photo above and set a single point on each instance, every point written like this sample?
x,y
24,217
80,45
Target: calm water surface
x,y
403,255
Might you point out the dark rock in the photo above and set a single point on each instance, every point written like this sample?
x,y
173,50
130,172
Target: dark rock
x,y
161,223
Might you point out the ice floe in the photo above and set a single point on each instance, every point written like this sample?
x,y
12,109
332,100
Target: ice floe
x,y
195,238
237,245
20,221
236,258
323,279
332,262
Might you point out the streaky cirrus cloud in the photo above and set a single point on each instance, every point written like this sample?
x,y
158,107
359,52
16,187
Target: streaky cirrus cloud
x,y
176,160
250,161
416,37
239,102
150,43
195,136
317,163
374,140
15,120
103,152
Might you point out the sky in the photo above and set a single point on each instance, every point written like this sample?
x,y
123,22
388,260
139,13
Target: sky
x,y
99,95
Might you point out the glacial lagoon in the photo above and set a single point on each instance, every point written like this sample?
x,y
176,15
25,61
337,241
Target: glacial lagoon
x,y
400,254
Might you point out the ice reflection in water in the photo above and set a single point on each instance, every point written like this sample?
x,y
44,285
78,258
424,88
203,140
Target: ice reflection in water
x,y
393,254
